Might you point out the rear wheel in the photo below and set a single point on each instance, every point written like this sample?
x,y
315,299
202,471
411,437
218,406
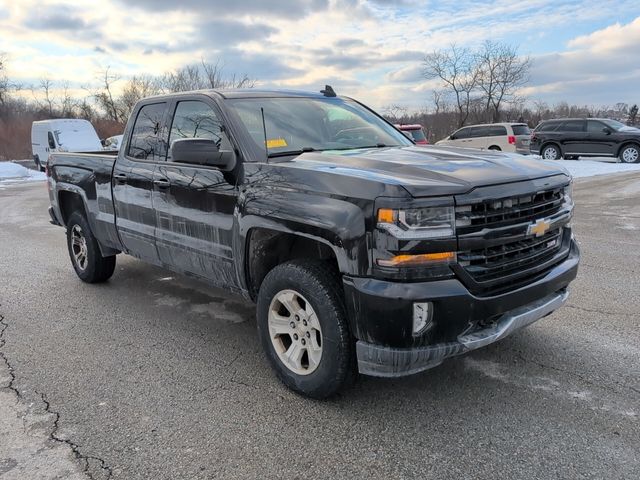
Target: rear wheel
x,y
630,154
303,328
495,147
551,152
84,252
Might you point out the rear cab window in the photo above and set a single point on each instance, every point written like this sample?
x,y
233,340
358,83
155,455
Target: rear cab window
x,y
145,143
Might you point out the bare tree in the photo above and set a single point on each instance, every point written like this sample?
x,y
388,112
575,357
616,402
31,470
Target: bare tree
x,y
394,112
46,85
4,79
202,75
457,70
137,88
104,97
633,115
501,73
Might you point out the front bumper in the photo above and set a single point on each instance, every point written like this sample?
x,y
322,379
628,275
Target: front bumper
x,y
381,315
381,361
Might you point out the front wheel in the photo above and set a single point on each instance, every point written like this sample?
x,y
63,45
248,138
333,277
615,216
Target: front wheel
x,y
303,328
630,154
84,252
551,152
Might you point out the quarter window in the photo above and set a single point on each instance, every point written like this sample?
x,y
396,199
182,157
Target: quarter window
x,y
144,144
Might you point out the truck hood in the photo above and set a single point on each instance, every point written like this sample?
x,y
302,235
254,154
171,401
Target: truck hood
x,y
428,170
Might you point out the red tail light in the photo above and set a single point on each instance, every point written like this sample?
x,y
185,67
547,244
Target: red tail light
x,y
512,140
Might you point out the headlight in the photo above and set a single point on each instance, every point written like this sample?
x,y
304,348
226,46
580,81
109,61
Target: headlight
x,y
568,193
418,223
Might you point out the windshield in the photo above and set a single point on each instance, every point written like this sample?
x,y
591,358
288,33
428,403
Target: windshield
x,y
418,135
614,124
294,125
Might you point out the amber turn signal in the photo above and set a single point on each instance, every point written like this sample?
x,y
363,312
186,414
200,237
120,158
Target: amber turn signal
x,y
416,260
386,215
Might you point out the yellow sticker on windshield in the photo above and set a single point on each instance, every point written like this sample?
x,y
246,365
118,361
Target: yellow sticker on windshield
x,y
276,143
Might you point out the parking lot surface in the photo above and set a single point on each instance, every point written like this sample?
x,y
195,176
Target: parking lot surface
x,y
153,375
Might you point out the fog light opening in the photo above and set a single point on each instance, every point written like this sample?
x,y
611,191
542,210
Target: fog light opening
x,y
422,317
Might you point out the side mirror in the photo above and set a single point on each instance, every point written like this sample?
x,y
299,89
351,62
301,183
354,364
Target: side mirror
x,y
607,130
202,151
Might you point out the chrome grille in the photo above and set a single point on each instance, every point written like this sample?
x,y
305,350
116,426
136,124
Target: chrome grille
x,y
510,258
501,254
508,211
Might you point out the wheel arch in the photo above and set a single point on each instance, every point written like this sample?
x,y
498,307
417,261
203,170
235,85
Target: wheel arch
x,y
555,144
267,246
626,143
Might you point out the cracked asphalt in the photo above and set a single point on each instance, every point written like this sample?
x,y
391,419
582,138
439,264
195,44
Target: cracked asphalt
x,y
153,375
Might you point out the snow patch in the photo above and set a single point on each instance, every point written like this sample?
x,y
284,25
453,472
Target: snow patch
x,y
13,173
585,167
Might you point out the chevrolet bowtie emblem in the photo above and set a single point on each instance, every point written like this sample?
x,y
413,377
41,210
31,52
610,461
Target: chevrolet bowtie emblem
x,y
539,228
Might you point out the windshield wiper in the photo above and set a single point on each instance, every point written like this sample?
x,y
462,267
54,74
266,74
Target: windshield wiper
x,y
377,145
293,152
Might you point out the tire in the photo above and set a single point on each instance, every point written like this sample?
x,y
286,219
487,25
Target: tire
x,y
550,152
317,338
630,154
493,147
84,252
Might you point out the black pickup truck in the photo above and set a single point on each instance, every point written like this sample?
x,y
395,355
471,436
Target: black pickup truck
x,y
363,251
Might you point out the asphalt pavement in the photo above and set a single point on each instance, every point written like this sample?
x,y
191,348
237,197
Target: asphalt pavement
x,y
156,376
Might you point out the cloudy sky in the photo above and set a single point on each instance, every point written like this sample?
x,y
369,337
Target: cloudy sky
x,y
586,52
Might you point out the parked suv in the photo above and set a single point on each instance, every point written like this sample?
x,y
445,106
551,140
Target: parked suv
x,y
507,137
592,137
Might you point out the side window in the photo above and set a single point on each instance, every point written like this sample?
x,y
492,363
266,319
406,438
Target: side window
x,y
52,142
144,144
547,127
462,133
572,126
496,131
194,119
595,127
479,132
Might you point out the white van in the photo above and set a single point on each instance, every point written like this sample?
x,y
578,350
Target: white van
x,y
506,137
62,135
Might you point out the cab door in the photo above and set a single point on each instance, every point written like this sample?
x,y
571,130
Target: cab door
x,y
132,183
194,204
601,138
573,137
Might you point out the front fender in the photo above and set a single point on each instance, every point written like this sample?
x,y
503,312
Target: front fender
x,y
339,224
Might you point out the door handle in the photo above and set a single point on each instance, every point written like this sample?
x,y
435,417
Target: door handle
x,y
120,178
162,183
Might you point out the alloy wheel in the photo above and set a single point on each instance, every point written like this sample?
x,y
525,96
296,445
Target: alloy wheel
x,y
79,247
295,332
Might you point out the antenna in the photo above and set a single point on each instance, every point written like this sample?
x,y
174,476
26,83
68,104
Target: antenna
x,y
328,91
264,130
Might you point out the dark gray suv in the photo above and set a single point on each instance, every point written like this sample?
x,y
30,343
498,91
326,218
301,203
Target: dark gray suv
x,y
571,138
